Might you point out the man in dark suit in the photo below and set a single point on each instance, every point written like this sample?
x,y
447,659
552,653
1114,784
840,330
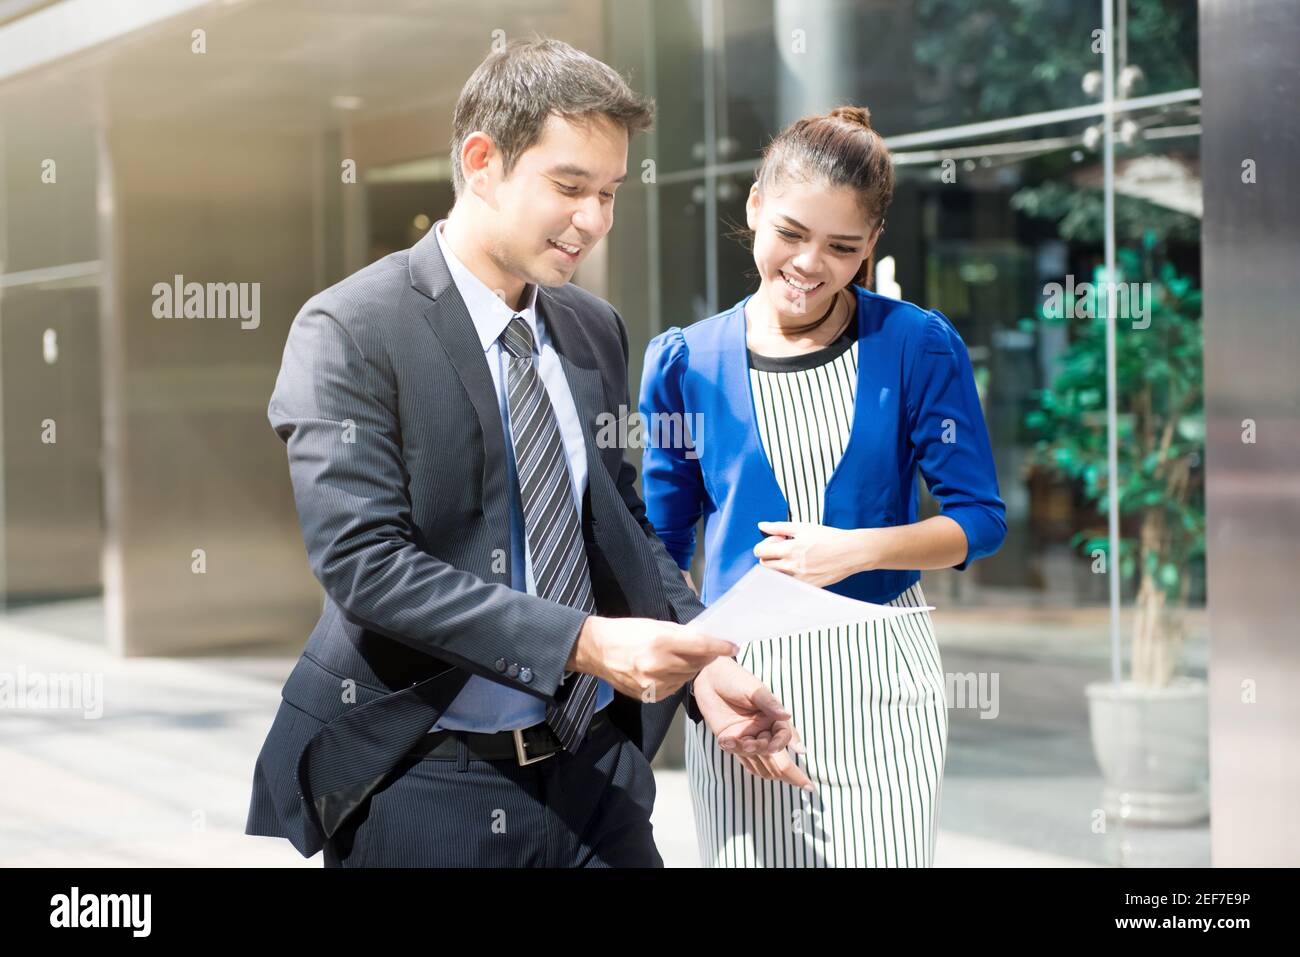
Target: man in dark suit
x,y
502,647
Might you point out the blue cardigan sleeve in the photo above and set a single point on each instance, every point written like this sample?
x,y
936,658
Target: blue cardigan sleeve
x,y
951,439
671,480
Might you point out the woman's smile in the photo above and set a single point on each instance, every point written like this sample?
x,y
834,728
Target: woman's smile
x,y
800,286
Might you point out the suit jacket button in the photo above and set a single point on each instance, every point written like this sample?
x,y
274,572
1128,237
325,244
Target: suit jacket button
x,y
512,671
500,664
526,675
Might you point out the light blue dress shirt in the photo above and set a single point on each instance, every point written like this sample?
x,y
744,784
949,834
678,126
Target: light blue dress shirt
x,y
485,705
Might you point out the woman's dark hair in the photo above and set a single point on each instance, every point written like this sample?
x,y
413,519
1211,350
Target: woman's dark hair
x,y
839,149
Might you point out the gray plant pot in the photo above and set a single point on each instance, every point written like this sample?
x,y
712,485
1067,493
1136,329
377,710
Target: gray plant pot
x,y
1153,748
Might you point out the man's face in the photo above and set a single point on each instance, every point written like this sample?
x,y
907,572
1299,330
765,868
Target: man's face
x,y
558,201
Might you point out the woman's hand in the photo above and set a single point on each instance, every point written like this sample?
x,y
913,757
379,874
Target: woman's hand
x,y
816,554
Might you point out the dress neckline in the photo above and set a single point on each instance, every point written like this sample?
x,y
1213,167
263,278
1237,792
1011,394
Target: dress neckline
x,y
809,360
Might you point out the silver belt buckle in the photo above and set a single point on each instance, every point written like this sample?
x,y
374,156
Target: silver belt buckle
x,y
521,755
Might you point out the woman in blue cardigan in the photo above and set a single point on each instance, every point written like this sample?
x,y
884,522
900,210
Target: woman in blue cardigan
x,y
816,402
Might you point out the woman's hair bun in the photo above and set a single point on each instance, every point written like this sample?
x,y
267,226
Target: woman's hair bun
x,y
858,115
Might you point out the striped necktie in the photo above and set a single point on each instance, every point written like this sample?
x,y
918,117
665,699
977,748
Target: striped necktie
x,y
554,533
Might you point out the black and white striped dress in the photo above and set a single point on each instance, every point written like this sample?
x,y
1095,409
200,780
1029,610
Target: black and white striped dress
x,y
868,699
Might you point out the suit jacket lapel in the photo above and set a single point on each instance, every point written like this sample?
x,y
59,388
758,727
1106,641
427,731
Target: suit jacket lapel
x,y
586,384
449,318
588,388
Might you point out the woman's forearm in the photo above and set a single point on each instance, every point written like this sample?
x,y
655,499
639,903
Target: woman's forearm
x,y
936,542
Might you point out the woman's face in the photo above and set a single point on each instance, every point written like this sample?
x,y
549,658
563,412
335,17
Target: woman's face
x,y
809,241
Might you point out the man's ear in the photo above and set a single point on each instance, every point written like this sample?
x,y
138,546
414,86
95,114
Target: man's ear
x,y
752,206
476,156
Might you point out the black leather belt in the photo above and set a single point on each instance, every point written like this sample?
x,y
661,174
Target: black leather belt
x,y
526,746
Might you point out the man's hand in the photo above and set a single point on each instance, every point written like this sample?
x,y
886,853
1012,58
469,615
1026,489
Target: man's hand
x,y
646,659
750,722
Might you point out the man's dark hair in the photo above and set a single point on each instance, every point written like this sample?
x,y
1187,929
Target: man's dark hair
x,y
513,92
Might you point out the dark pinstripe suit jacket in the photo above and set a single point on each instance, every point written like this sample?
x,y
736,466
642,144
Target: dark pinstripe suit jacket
x,y
397,456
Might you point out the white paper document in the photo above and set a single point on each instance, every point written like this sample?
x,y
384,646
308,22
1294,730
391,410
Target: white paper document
x,y
767,603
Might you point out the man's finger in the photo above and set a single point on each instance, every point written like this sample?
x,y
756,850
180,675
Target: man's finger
x,y
764,700
750,765
786,770
692,646
780,739
796,742
763,769
749,730
678,666
673,671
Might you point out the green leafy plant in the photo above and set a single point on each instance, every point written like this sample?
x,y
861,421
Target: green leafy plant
x,y
1161,437
1002,57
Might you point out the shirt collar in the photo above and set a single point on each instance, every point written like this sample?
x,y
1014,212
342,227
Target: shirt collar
x,y
488,311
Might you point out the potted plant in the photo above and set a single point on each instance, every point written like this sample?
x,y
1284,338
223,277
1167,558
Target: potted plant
x,y
1149,731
